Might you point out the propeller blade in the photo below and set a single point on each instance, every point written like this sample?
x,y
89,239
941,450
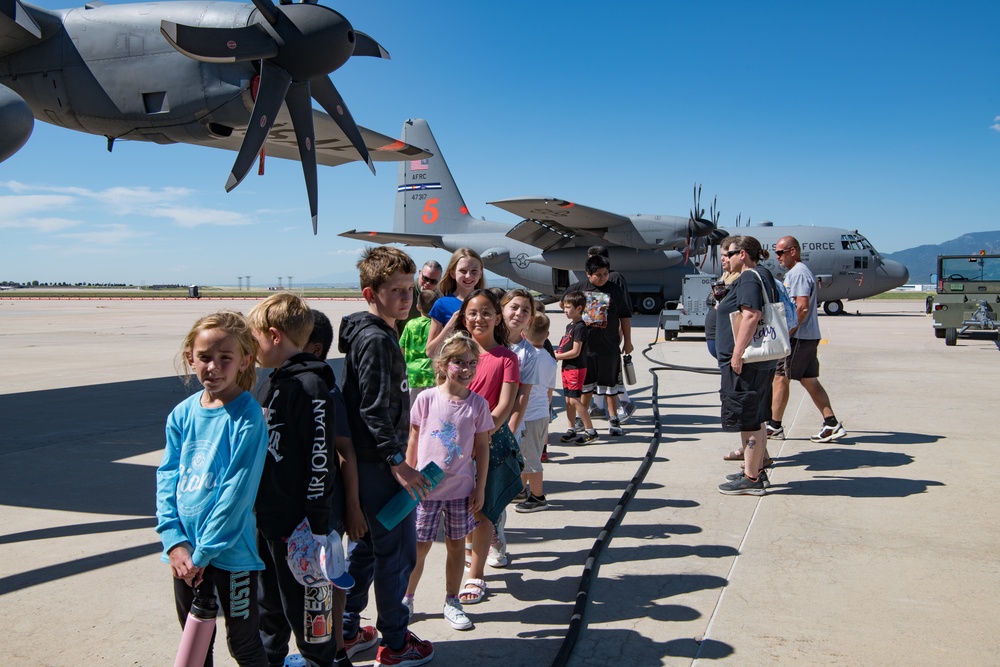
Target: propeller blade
x,y
267,10
274,83
324,92
300,108
219,45
366,46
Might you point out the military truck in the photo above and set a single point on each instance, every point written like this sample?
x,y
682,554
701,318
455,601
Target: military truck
x,y
968,295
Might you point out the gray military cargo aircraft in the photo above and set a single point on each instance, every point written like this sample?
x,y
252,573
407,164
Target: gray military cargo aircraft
x,y
546,251
234,76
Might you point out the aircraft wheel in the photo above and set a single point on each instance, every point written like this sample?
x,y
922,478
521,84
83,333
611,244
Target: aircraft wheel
x,y
650,304
939,333
950,336
833,307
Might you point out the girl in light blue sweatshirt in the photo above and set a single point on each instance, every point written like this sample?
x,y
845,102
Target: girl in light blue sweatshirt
x,y
207,482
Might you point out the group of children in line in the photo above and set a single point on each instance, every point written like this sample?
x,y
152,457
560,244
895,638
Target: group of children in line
x,y
467,387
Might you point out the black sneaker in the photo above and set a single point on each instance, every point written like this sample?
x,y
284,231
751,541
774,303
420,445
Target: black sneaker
x,y
763,477
520,498
775,432
743,486
586,437
615,428
532,504
568,436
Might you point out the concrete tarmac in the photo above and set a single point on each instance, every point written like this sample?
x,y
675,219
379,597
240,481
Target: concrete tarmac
x,y
877,549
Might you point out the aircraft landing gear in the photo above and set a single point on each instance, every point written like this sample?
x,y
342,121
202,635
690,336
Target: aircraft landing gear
x,y
649,304
833,307
950,336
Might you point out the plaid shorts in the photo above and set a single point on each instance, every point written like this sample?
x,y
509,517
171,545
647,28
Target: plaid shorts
x,y
458,520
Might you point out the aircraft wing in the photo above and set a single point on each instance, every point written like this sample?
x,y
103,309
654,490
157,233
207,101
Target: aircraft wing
x,y
551,236
333,148
18,29
563,213
422,240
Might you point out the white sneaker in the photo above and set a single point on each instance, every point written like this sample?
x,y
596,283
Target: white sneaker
x,y
454,614
625,411
408,603
496,558
830,433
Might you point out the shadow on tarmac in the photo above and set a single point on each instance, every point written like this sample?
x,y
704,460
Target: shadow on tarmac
x,y
855,487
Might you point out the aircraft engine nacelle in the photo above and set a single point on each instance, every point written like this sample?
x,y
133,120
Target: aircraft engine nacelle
x,y
16,122
493,256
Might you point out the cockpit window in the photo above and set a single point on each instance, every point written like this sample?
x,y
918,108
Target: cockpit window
x,y
856,242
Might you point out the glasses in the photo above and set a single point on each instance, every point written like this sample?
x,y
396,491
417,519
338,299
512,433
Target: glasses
x,y
730,253
779,253
429,281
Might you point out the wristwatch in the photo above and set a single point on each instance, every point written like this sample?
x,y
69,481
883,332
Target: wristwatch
x,y
396,459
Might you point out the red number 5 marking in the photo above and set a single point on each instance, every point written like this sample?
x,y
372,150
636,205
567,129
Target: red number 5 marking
x,y
430,211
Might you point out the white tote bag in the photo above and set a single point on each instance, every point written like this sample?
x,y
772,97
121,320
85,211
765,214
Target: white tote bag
x,y
770,338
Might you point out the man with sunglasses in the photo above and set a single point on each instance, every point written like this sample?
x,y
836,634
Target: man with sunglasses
x,y
803,363
427,278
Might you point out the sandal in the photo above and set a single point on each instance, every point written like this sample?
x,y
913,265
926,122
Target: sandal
x,y
475,589
735,455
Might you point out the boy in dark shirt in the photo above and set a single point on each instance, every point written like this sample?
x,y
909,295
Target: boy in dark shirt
x,y
607,340
378,407
573,353
301,473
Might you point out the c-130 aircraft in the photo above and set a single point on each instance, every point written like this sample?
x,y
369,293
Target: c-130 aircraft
x,y
221,74
547,250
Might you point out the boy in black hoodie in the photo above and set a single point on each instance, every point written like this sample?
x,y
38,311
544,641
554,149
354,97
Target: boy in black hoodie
x,y
378,409
300,478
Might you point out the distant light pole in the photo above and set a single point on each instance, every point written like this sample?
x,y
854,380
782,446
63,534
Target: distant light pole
x,y
289,283
239,280
248,283
279,282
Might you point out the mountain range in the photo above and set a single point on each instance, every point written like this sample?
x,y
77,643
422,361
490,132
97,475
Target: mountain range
x,y
922,260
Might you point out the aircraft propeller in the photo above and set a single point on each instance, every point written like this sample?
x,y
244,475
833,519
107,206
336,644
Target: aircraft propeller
x,y
298,45
698,225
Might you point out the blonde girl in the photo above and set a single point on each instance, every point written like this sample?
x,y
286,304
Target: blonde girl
x,y
207,482
463,275
450,426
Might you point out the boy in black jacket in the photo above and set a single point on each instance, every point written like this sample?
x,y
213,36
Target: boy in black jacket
x,y
300,478
378,409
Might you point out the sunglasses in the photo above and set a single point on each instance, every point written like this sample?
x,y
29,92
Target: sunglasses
x,y
730,253
779,253
429,281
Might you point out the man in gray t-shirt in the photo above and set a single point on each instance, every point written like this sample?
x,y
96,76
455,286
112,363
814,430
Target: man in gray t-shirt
x,y
803,363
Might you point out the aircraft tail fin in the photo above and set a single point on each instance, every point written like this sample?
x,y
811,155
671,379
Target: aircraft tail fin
x,y
427,199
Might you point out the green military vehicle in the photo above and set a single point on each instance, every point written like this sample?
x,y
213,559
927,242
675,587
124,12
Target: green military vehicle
x,y
968,295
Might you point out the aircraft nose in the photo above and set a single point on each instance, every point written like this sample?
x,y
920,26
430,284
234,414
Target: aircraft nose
x,y
896,272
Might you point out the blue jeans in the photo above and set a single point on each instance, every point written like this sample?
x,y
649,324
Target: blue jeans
x,y
383,557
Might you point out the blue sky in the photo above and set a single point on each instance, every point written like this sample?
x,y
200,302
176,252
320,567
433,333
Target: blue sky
x,y
881,117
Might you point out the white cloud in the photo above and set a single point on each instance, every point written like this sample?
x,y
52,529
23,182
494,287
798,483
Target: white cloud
x,y
189,217
105,235
996,125
41,225
352,252
13,208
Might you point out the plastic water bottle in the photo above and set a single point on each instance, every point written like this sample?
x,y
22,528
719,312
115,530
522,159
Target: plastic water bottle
x,y
403,503
629,370
295,660
198,629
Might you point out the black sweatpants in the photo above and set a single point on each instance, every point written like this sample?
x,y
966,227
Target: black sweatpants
x,y
282,609
236,595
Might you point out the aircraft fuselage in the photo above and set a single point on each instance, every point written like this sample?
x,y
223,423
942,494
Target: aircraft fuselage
x,y
107,70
